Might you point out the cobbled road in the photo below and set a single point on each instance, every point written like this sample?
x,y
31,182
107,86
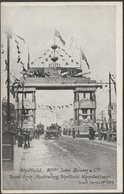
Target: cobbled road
x,y
63,164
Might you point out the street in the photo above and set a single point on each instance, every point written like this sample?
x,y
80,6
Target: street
x,y
65,163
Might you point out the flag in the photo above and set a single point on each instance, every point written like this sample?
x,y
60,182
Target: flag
x,y
113,83
20,37
57,34
84,58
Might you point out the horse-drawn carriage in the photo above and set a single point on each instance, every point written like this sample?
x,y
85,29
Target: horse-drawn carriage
x,y
53,131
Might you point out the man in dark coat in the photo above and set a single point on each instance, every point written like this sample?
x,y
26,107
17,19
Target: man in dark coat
x,y
73,133
91,133
26,138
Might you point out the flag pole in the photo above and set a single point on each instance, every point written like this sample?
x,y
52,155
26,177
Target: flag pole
x,y
54,41
54,36
80,59
28,64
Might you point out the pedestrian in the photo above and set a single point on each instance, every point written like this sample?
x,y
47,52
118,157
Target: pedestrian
x,y
26,138
78,132
91,133
20,139
73,133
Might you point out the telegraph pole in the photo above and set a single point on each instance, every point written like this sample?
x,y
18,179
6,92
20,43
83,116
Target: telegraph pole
x,y
109,109
110,115
22,105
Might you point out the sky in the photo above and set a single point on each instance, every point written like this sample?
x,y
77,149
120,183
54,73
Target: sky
x,y
93,29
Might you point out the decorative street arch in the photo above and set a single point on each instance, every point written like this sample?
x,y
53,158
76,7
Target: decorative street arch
x,y
54,76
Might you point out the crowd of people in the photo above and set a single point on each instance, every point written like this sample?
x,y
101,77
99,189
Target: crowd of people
x,y
23,137
76,132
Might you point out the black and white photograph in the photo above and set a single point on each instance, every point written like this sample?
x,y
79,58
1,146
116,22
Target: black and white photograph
x,y
61,97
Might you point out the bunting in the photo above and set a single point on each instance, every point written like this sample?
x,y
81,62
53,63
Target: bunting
x,y
67,63
54,107
19,60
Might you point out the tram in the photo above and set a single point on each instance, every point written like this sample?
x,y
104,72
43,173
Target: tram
x,y
53,131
